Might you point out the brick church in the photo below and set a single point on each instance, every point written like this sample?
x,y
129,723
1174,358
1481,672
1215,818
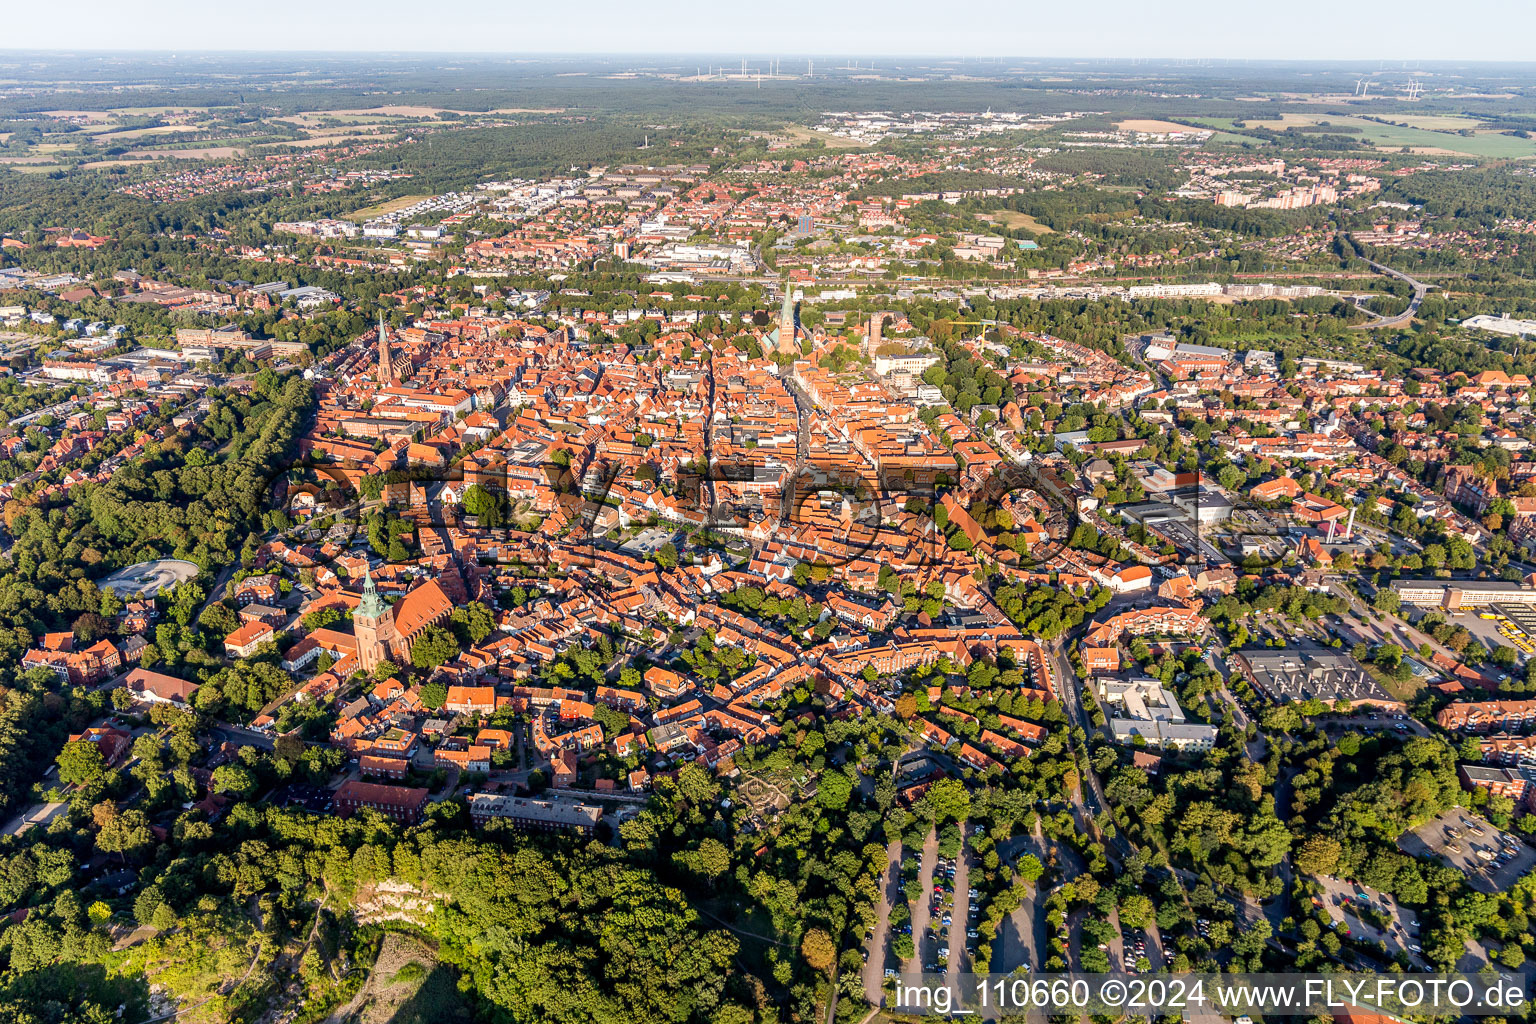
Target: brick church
x,y
385,632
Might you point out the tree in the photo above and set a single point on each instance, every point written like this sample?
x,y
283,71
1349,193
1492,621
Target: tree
x,y
125,833
90,627
483,504
80,763
1136,910
1319,855
818,949
948,800
289,746
666,556
434,646
433,695
612,720
472,622
714,858
218,620
833,791
150,899
233,779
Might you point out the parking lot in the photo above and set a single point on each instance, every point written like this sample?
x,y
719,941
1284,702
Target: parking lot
x,y
1496,632
1375,721
1360,910
1469,852
1516,626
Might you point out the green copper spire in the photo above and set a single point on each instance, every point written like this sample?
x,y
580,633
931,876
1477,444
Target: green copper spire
x,y
372,605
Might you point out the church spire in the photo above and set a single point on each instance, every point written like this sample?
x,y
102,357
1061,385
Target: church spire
x,y
386,365
372,605
785,342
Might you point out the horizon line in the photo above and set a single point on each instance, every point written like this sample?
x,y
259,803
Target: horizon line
x,y
888,56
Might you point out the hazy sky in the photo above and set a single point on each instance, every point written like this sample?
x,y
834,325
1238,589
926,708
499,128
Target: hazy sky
x,y
1291,29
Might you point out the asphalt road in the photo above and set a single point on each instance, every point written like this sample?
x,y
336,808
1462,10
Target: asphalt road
x,y
879,942
216,592
1420,289
960,916
242,737
1092,795
38,814
925,947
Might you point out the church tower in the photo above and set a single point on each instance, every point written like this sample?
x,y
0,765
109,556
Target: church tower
x,y
386,364
373,623
785,343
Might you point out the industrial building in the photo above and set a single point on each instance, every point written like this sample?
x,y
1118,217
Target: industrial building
x,y
1293,675
1453,594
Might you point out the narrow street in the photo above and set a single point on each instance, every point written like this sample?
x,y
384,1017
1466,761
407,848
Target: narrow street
x,y
1092,800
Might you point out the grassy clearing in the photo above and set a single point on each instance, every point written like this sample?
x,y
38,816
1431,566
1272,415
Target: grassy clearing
x,y
800,133
1012,219
380,209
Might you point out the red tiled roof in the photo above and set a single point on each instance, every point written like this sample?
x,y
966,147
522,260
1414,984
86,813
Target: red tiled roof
x,y
426,604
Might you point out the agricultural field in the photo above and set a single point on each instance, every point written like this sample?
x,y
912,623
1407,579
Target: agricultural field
x,y
1413,132
332,140
422,112
1435,122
